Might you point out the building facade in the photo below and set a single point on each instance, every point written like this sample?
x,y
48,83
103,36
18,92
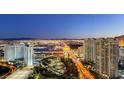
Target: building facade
x,y
12,52
28,55
101,60
89,49
105,53
19,51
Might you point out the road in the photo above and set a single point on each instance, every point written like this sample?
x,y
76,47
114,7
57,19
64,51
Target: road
x,y
83,71
12,69
21,74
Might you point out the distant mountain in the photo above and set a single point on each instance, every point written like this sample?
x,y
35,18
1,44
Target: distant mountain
x,y
23,38
17,38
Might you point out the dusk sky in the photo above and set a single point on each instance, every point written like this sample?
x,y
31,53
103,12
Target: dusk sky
x,y
60,26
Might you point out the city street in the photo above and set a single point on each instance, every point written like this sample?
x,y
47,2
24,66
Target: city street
x,y
21,74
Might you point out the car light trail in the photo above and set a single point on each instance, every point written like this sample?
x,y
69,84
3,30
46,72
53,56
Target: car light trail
x,y
12,69
83,72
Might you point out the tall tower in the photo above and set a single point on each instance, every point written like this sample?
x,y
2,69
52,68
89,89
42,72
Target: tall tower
x,y
107,56
113,57
28,56
89,49
105,53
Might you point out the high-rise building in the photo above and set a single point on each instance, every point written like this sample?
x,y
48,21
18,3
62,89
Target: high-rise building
x,y
113,51
89,49
19,51
106,55
101,63
12,52
28,55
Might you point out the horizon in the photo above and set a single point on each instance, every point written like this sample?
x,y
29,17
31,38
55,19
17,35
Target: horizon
x,y
30,38
59,26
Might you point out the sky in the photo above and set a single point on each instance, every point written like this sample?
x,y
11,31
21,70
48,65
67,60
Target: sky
x,y
48,26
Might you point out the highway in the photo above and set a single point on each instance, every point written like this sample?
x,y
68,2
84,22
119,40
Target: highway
x,y
12,69
83,71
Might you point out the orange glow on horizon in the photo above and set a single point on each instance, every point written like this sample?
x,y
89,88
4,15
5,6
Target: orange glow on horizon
x,y
121,42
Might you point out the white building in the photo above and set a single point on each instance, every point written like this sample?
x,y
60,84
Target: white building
x,y
28,55
12,52
19,51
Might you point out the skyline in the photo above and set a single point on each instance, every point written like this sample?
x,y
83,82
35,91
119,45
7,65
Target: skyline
x,y
51,26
